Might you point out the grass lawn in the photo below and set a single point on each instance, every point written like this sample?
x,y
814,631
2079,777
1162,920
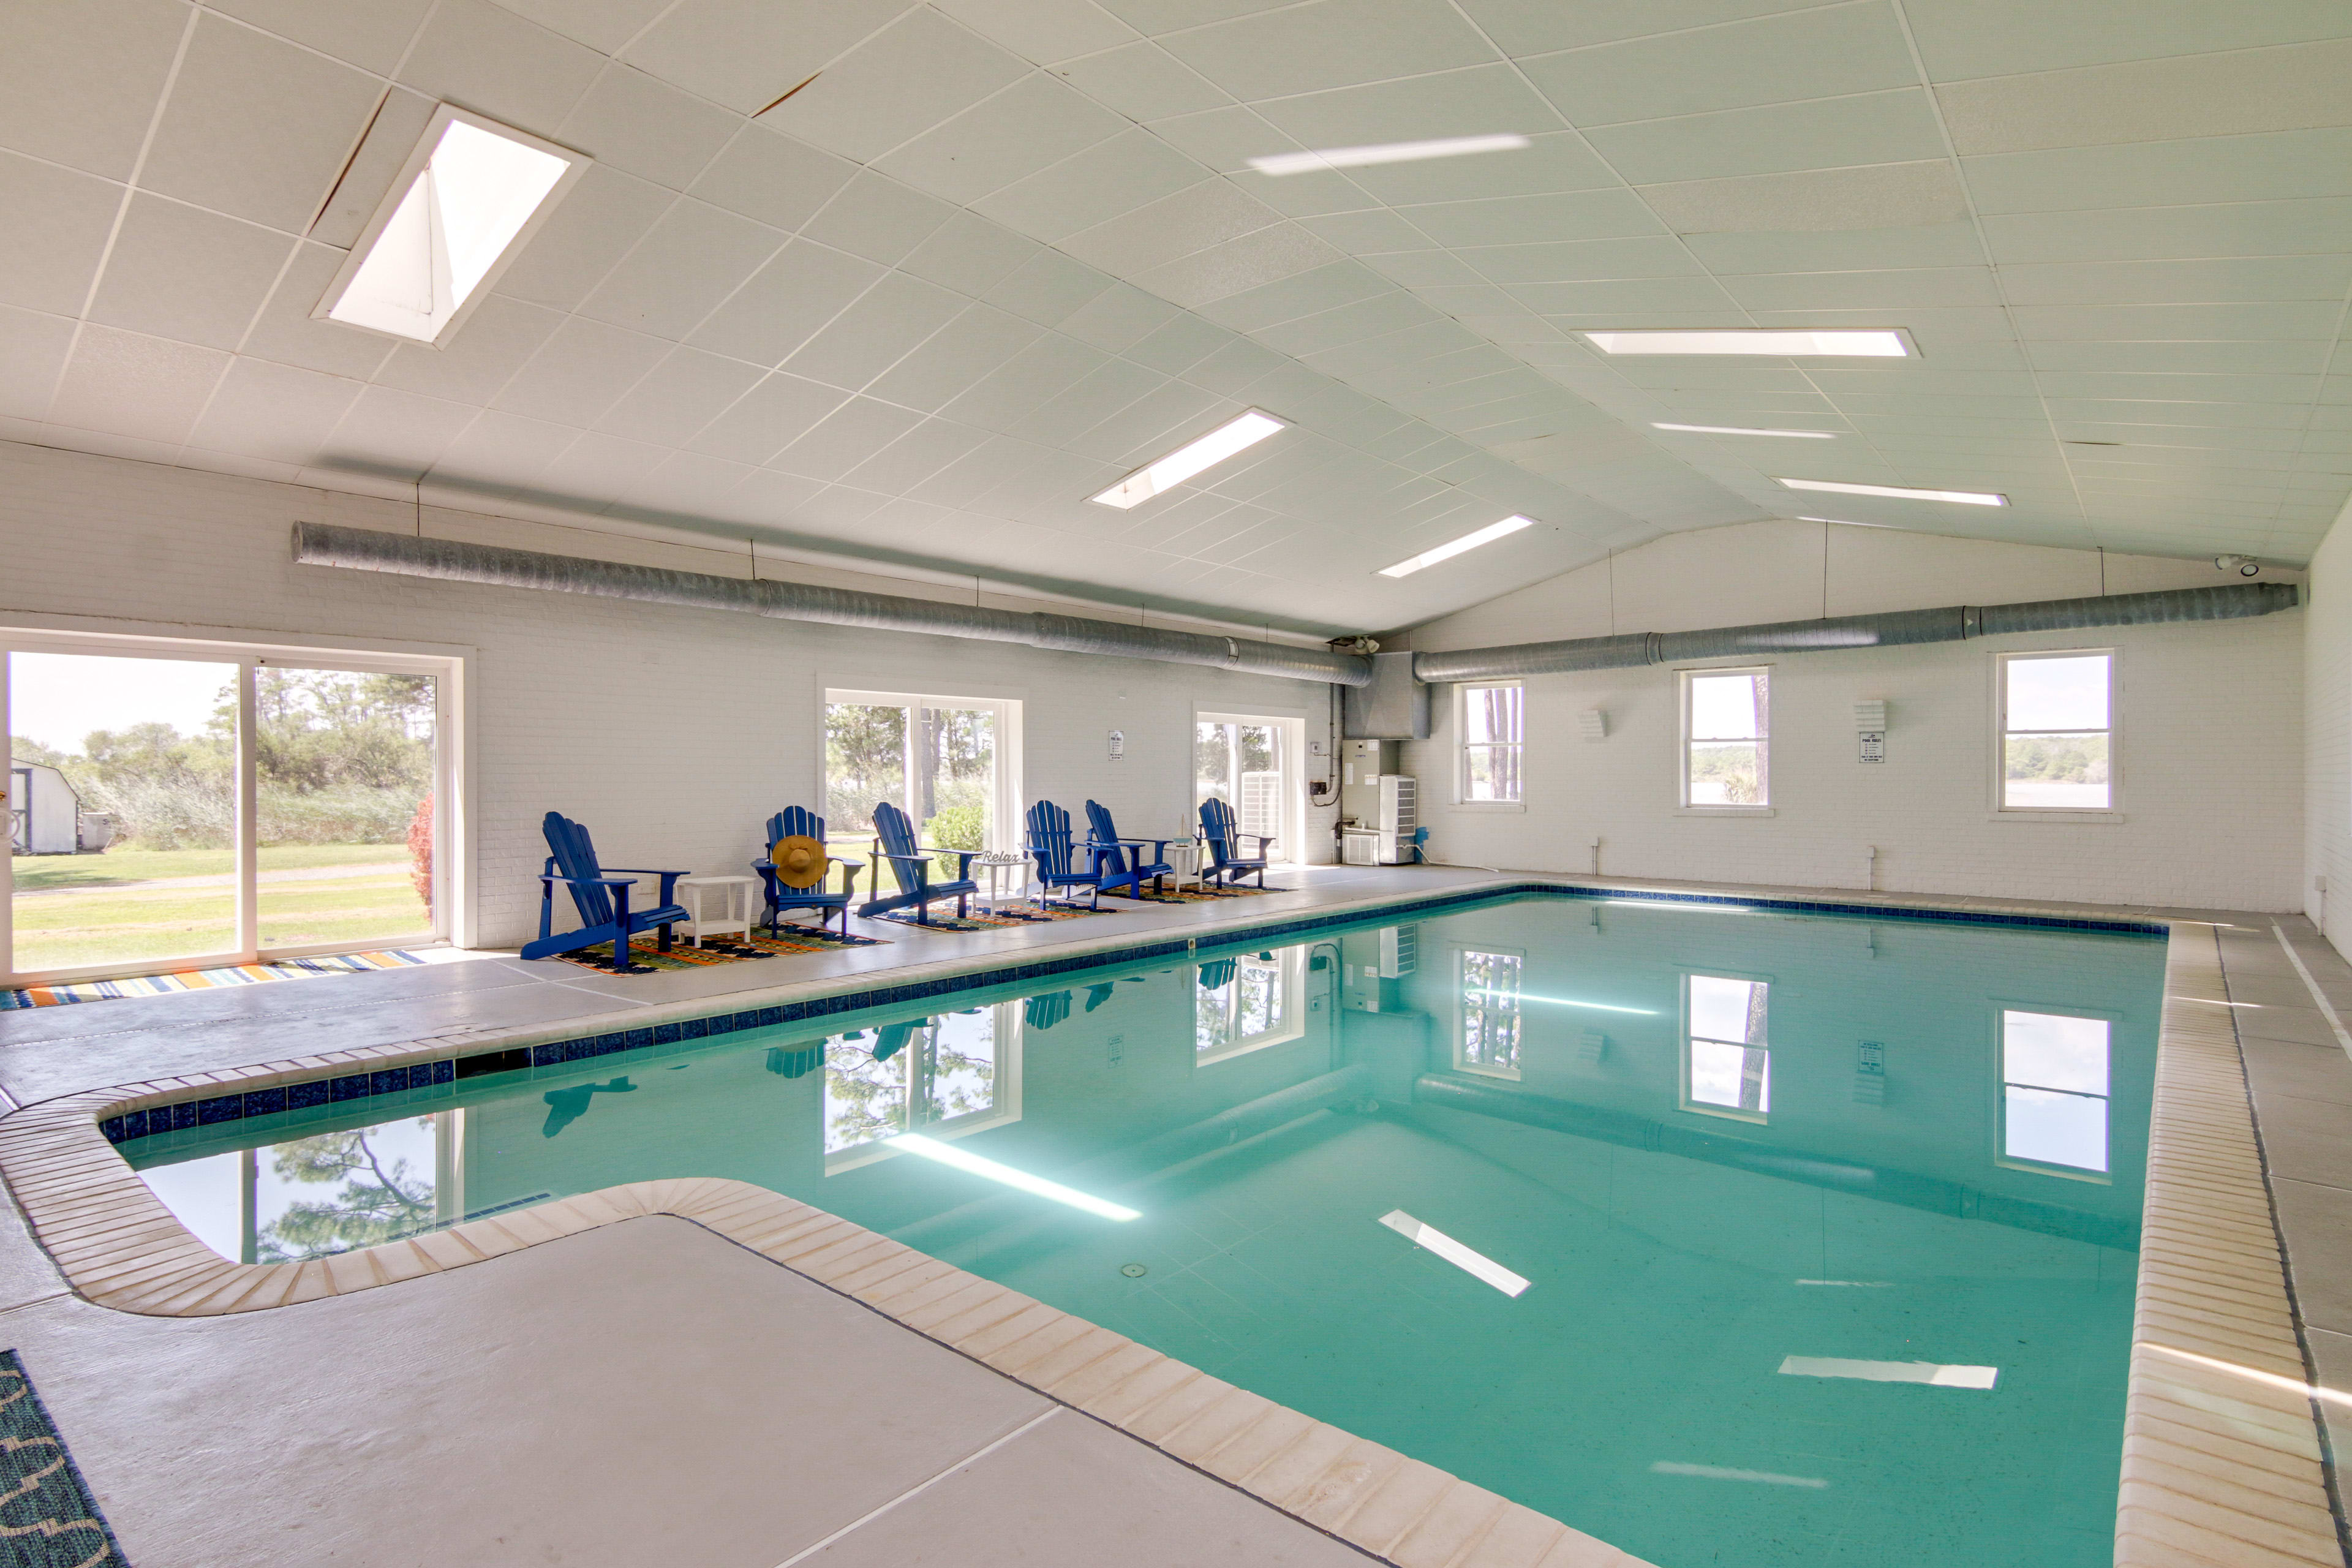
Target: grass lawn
x,y
121,920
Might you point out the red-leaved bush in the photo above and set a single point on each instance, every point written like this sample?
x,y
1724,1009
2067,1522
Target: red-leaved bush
x,y
420,851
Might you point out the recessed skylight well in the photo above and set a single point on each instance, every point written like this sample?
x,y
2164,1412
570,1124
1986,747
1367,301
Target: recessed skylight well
x,y
1887,342
1281,164
1742,430
471,194
1447,552
1233,435
1897,492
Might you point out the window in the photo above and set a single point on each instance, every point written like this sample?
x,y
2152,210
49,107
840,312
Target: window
x,y
1487,1040
950,764
2057,731
1250,762
945,1077
2053,1092
1726,1057
1246,1004
1491,742
1727,730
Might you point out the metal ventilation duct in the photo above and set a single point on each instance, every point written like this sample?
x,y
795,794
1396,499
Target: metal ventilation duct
x,y
1890,630
366,550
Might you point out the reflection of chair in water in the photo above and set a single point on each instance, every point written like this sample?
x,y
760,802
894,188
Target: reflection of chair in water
x,y
1219,974
891,1038
1044,1012
1098,994
566,1106
795,1061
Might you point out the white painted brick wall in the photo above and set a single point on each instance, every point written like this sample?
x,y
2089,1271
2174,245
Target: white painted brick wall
x,y
2327,735
673,734
2211,735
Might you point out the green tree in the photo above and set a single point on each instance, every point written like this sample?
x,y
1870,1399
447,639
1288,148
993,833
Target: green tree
x,y
375,1203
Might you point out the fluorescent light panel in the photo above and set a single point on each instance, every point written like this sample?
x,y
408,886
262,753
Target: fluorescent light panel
x,y
1281,164
1233,435
1845,522
1485,535
964,1160
1927,1372
471,194
1898,492
1737,430
1434,1240
1864,343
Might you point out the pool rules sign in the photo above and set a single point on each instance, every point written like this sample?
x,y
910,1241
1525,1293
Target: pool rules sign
x,y
1870,727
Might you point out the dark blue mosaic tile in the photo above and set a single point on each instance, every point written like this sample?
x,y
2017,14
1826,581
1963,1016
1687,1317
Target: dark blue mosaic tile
x,y
138,1123
388,1081
184,1116
352,1087
549,1055
637,1037
221,1108
695,1028
770,1015
614,1041
667,1034
265,1102
444,1070
113,1129
303,1096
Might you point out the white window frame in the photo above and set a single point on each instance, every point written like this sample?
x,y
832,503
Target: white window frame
x,y
1462,746
1763,807
2001,1009
453,856
1004,834
1004,1105
1290,847
1462,1063
2001,806
1684,1038
1289,1024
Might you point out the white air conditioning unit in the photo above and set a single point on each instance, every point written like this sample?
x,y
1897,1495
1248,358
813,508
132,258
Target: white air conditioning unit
x,y
1360,846
1400,817
1399,952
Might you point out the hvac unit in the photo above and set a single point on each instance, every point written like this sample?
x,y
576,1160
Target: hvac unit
x,y
1399,952
1360,846
1400,817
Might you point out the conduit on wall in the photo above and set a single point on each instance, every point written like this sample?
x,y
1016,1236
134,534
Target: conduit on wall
x,y
449,561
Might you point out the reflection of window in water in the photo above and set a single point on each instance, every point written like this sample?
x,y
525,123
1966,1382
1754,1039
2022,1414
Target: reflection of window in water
x,y
1728,1060
2054,1071
1488,1039
947,1074
1245,1003
377,1186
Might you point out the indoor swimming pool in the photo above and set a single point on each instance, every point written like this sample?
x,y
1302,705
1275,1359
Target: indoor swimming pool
x,y
1728,1236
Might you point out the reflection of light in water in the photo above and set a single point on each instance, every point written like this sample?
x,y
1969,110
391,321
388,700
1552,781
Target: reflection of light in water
x,y
1857,1284
963,1159
1566,1002
203,1195
1718,1473
1924,1371
1454,1252
1678,904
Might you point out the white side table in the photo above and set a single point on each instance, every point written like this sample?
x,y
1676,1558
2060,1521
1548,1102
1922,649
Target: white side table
x,y
1000,867
1185,860
734,905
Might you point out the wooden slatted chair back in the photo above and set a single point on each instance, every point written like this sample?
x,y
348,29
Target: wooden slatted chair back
x,y
1217,827
796,822
575,856
1050,841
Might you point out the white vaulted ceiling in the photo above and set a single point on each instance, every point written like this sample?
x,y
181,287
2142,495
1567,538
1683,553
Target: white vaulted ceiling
x,y
993,254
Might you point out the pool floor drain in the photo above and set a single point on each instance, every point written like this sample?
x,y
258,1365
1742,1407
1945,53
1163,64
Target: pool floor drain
x,y
1133,1270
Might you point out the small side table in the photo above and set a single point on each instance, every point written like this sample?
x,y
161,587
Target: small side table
x,y
734,905
1000,867
1185,860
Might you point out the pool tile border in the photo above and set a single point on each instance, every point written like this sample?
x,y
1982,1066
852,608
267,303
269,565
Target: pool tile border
x,y
2221,1462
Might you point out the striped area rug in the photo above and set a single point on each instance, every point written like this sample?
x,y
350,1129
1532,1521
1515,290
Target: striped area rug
x,y
207,979
48,1518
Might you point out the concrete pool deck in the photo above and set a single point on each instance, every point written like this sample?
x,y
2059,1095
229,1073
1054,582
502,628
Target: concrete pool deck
x,y
546,1403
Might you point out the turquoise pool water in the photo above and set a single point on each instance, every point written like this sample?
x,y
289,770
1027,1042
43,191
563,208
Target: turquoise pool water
x,y
1750,1239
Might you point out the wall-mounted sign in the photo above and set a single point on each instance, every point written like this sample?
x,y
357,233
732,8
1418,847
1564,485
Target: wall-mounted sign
x,y
1874,745
1119,745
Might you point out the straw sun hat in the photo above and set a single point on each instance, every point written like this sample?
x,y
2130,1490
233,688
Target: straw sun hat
x,y
800,861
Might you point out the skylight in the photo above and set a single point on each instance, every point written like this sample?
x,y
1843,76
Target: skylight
x,y
1185,461
1742,430
471,194
1383,153
1900,492
1485,535
1864,343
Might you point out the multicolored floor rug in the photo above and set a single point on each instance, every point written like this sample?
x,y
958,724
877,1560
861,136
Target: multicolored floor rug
x,y
1202,895
644,952
48,1518
206,979
942,916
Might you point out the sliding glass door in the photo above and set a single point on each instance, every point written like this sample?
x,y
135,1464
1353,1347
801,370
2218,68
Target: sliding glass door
x,y
1251,765
173,809
950,764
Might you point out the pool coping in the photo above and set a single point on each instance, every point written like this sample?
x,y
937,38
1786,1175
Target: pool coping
x,y
2222,1452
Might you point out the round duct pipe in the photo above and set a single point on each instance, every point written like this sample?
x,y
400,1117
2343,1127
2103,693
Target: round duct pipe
x,y
450,561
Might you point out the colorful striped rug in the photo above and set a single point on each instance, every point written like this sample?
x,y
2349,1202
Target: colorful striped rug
x,y
207,979
646,950
48,1516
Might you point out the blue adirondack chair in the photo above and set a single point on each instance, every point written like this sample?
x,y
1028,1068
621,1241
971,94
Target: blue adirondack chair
x,y
1226,859
1058,853
914,866
1102,833
602,900
792,822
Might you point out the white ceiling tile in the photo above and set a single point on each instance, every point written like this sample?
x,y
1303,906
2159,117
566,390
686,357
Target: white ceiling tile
x,y
1570,260
1142,81
693,259
1939,244
1820,53
1180,343
1421,269
1048,289
127,383
1554,161
597,222
604,26
1106,180
1147,429
1367,234
1322,290
2310,319
876,333
2321,226
773,178
394,435
1831,132
1539,26
2226,358
2289,88
1513,220
1328,43
877,218
473,367
1237,266
1123,316
2166,282
2286,163
844,438
994,461
798,292
1888,290
954,358
1225,139
969,254
693,486
1964,38
78,82
1375,317
1042,30
1241,368
1193,219
579,372
273,411
1885,196
58,220
1102,391
370,34
399,124
895,85
906,463
184,273
1026,129
746,54
778,410
596,468
678,396
645,127
33,348
496,63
